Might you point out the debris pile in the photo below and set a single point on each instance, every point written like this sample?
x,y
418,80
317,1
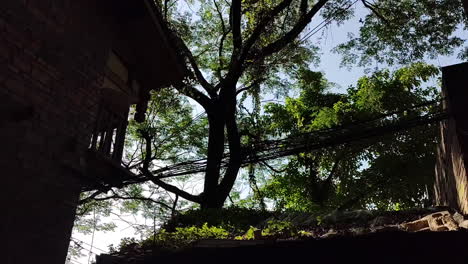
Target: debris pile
x,y
394,222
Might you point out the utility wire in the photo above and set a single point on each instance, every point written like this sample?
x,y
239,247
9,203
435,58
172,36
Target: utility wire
x,y
92,237
325,22
74,238
310,141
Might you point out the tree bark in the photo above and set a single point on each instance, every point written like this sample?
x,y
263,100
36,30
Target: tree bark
x,y
222,114
215,154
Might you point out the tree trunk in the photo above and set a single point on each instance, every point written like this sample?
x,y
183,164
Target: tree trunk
x,y
221,115
215,154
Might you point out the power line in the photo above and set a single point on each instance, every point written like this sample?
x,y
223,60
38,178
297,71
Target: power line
x,y
82,248
310,141
92,236
317,29
74,238
74,261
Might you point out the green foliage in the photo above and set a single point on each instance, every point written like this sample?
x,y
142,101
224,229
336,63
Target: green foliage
x,y
168,115
401,32
124,244
89,217
234,219
181,237
250,234
279,229
384,172
184,236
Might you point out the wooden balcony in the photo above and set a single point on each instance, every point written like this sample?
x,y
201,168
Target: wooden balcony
x,y
102,171
103,160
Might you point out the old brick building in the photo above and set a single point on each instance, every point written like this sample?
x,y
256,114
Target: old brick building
x,y
69,70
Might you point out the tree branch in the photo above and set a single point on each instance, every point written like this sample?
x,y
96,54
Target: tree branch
x,y
159,182
193,93
174,206
166,3
253,84
220,56
273,169
259,29
235,21
91,197
173,189
374,11
269,16
116,196
304,6
226,31
335,167
182,47
291,35
220,14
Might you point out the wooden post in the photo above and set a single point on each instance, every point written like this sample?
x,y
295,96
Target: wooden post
x,y
119,141
451,183
108,138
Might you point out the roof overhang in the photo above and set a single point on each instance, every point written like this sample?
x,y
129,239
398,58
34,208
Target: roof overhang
x,y
143,40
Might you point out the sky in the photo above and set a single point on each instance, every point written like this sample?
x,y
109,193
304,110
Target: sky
x,y
343,77
329,65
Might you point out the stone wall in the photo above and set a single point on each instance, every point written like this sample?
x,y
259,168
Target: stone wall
x,y
52,55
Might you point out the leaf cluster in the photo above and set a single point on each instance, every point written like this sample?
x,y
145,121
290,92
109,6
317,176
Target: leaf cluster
x,y
382,172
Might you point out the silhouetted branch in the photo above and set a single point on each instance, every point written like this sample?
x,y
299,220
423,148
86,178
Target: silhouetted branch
x,y
374,11
159,182
291,35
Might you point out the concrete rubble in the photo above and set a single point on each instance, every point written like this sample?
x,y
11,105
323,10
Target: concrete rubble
x,y
440,221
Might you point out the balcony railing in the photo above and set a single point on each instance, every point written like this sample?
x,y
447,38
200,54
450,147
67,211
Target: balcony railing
x,y
109,134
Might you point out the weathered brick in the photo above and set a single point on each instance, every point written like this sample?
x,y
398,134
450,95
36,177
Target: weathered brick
x,y
22,63
33,47
39,9
39,99
40,74
15,36
54,73
2,24
16,86
13,69
6,51
4,72
45,70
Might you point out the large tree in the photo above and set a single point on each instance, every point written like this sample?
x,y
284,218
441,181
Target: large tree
x,y
236,47
236,51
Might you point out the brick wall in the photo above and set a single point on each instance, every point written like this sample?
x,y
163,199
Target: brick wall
x,y
52,55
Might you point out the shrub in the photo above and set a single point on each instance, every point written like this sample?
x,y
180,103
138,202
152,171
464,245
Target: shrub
x,y
185,236
235,220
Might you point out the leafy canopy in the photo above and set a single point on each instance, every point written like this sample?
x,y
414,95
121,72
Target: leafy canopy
x,y
385,172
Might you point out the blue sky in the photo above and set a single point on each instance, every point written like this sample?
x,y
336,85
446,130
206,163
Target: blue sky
x,y
334,35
